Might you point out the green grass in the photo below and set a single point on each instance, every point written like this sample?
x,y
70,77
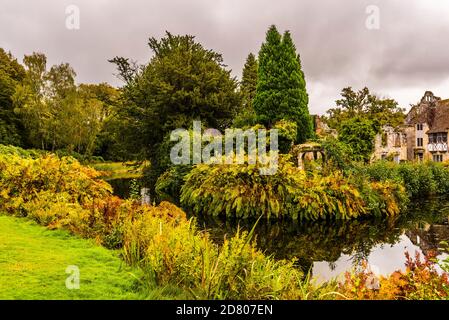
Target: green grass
x,y
119,170
33,262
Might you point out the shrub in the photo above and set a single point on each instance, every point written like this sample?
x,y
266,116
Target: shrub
x,y
241,191
419,179
177,253
169,184
22,180
338,155
440,174
53,209
12,150
60,193
382,171
287,134
331,196
420,280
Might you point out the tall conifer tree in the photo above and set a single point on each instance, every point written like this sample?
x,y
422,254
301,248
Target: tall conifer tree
x,y
246,116
249,81
281,88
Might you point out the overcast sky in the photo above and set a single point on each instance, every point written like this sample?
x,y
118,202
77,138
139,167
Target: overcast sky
x,y
405,56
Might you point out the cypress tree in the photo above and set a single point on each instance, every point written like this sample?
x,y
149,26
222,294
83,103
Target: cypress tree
x,y
246,116
281,88
249,81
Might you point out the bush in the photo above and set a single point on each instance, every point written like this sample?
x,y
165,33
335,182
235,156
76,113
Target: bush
x,y
338,155
288,131
177,253
241,191
23,180
421,280
11,150
169,184
60,193
331,196
419,179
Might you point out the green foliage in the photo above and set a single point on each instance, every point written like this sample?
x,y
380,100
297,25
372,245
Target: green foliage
x,y
24,180
365,105
29,153
440,175
36,153
169,93
338,155
11,74
287,134
241,191
359,134
56,113
182,82
281,88
419,179
247,116
178,253
169,184
134,189
60,193
171,252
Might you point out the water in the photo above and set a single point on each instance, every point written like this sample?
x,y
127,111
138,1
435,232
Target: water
x,y
329,248
121,187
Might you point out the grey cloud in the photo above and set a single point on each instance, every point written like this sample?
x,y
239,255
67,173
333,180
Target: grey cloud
x,y
402,59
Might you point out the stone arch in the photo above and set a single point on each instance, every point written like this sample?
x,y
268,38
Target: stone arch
x,y
315,150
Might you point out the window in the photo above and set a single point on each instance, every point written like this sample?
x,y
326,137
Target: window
x,y
419,126
438,158
438,137
420,156
419,142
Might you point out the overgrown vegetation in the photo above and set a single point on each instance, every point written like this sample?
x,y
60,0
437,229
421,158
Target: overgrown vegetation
x,y
71,123
168,248
420,179
421,280
242,192
62,194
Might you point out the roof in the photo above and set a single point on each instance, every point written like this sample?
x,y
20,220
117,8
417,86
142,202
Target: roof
x,y
431,110
441,118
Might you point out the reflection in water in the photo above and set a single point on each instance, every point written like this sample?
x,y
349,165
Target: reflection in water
x,y
121,187
329,248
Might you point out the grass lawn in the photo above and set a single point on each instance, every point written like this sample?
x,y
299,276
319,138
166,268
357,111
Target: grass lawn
x,y
119,170
33,262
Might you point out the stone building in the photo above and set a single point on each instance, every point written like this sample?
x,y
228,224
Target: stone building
x,y
391,144
422,137
427,127
321,128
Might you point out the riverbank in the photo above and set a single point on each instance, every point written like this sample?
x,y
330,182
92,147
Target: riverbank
x,y
330,248
170,251
34,260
